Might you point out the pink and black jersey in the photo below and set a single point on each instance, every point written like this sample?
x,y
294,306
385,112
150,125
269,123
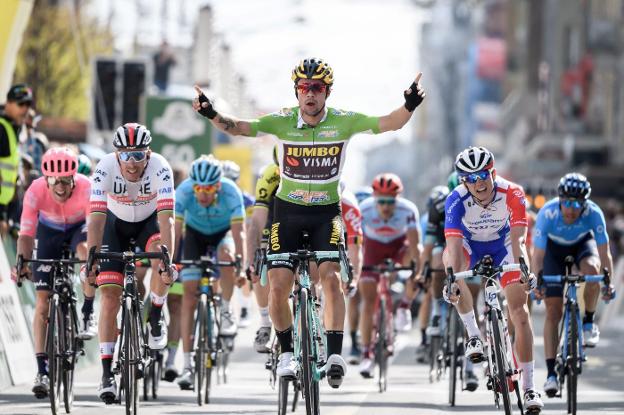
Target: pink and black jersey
x,y
40,207
466,218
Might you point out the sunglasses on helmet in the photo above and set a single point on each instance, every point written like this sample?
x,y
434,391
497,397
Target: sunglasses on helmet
x,y
53,181
315,88
572,203
472,178
208,189
137,156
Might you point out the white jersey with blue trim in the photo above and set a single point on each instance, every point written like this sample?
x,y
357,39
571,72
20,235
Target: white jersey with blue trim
x,y
405,217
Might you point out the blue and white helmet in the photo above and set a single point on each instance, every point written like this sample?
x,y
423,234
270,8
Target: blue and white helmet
x,y
363,193
231,170
574,186
206,170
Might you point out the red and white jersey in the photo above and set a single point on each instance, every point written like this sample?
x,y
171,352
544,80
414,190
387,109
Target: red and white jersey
x,y
351,216
40,206
132,201
466,218
405,217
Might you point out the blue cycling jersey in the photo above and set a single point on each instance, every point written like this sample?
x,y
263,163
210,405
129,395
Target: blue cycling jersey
x,y
248,201
227,208
550,225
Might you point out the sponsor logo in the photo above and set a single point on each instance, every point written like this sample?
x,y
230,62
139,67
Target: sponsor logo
x,y
44,268
308,197
336,233
327,134
274,238
312,162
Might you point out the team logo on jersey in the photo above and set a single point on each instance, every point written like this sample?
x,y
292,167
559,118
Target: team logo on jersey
x,y
312,162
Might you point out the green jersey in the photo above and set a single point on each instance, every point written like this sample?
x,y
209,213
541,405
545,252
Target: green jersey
x,y
311,158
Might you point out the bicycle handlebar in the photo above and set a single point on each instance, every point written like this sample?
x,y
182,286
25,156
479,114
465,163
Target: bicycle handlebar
x,y
127,256
304,255
21,261
206,261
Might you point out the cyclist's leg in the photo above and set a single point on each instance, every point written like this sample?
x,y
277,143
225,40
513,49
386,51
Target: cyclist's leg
x,y
588,262
225,252
353,317
464,306
174,305
190,281
437,284
368,291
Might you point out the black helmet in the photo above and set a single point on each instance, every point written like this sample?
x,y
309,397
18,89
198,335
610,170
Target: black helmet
x,y
574,186
313,68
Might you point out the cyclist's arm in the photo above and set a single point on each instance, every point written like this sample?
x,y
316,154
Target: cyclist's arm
x,y
415,248
238,233
537,260
259,218
395,120
606,260
25,246
231,125
354,251
95,230
165,223
425,257
179,228
518,242
453,254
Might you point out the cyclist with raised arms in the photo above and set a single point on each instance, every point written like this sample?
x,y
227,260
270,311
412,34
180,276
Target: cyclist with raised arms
x,y
487,216
132,197
54,214
391,230
312,143
210,207
570,225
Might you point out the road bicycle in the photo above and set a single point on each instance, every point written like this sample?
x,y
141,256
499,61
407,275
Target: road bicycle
x,y
211,349
133,353
383,327
569,362
502,373
309,334
62,344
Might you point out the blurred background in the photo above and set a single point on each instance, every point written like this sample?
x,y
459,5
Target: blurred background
x,y
538,82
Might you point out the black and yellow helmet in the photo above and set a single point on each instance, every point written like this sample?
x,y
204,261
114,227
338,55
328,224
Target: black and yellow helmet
x,y
313,68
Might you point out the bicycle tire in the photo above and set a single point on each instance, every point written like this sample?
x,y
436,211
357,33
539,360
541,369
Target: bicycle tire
x,y
71,354
306,357
381,356
572,360
296,391
156,372
453,339
282,396
147,382
434,357
199,348
212,348
131,355
500,366
54,351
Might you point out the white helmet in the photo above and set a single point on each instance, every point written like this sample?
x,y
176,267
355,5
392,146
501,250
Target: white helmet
x,y
231,170
132,136
474,159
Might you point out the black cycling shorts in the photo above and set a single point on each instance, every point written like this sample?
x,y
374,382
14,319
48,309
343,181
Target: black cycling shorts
x,y
555,256
117,236
322,223
50,243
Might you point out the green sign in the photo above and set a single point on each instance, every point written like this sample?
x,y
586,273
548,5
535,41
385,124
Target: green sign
x,y
178,132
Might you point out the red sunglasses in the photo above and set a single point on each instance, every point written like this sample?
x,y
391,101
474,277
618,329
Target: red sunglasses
x,y
315,88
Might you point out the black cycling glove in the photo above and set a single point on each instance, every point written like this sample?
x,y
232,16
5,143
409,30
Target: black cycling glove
x,y
412,100
207,111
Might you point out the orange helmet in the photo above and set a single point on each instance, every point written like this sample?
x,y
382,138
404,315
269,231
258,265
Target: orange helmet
x,y
387,184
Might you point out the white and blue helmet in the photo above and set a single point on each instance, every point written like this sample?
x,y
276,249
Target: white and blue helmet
x,y
206,170
231,170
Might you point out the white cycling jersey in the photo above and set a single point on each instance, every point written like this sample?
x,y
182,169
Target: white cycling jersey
x,y
132,201
385,231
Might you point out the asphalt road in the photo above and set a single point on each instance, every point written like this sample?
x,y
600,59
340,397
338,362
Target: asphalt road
x,y
601,388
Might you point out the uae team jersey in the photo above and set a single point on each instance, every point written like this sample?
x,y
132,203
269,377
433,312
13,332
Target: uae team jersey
x,y
132,201
550,225
466,218
40,206
227,208
385,231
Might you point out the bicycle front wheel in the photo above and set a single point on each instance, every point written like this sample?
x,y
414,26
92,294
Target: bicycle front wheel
x,y
282,396
71,346
453,335
573,359
132,356
500,366
54,349
200,348
310,392
381,357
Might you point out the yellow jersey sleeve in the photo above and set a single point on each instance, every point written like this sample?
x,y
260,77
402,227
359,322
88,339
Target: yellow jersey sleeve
x,y
267,184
